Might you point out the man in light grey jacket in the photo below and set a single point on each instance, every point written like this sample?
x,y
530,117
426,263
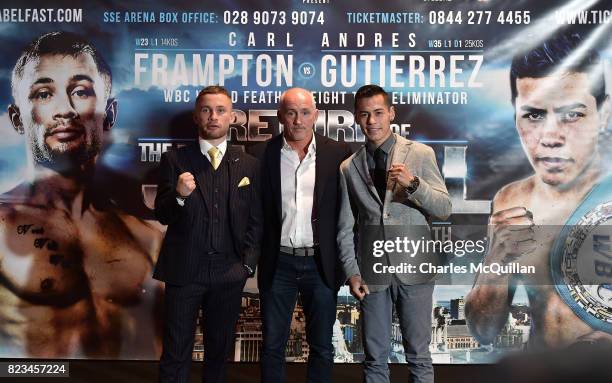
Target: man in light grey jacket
x,y
393,186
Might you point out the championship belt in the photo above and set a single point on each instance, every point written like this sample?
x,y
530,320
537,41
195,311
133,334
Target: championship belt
x,y
581,259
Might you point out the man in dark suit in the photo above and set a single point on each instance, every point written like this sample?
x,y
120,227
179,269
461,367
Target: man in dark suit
x,y
208,196
300,189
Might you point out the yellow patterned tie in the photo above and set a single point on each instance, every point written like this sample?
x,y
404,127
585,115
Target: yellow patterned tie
x,y
214,157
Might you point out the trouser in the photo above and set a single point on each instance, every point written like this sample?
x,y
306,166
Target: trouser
x,y
295,275
413,304
220,303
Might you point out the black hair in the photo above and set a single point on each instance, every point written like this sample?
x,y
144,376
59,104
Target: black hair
x,y
61,43
368,91
553,53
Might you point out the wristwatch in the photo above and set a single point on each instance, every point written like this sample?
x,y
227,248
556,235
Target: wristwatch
x,y
414,185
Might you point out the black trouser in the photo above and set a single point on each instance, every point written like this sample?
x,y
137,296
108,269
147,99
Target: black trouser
x,y
295,275
221,307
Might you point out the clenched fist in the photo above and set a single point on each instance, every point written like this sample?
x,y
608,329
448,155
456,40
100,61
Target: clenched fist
x,y
358,287
185,184
401,174
512,234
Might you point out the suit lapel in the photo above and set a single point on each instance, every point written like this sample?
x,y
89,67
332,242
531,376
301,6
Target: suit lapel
x,y
400,151
274,164
361,164
196,159
321,170
399,156
235,171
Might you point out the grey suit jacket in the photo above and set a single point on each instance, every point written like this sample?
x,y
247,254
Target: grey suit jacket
x,y
411,213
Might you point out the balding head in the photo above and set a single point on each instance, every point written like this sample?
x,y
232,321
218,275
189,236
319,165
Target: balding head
x,y
298,114
296,93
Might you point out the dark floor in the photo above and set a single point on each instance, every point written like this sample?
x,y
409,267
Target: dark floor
x,y
573,365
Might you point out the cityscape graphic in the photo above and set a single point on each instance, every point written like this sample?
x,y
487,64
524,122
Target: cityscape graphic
x,y
451,341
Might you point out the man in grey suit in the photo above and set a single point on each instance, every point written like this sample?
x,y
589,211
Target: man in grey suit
x,y
390,183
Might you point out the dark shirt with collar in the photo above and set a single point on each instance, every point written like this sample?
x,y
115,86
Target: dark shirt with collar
x,y
386,147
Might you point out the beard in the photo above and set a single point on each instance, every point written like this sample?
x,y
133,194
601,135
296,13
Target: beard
x,y
64,155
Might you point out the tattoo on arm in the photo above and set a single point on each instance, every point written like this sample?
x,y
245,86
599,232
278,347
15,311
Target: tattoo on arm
x,y
23,229
52,245
39,243
38,230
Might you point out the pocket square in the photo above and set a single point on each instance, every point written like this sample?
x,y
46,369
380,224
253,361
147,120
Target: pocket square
x,y
244,182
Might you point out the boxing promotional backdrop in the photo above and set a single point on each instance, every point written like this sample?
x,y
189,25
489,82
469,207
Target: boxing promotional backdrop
x,y
446,65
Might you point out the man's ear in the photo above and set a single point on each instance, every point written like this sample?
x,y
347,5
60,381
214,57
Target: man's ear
x,y
111,114
15,117
391,113
234,118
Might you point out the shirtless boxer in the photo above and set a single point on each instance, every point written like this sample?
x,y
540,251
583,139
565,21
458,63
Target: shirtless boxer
x,y
560,109
75,272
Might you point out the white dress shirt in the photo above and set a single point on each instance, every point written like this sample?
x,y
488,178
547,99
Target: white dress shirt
x,y
204,148
297,195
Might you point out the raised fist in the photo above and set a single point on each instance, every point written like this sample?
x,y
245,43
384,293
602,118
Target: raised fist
x,y
185,184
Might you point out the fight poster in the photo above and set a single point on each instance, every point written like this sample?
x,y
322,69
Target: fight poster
x,y
76,267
